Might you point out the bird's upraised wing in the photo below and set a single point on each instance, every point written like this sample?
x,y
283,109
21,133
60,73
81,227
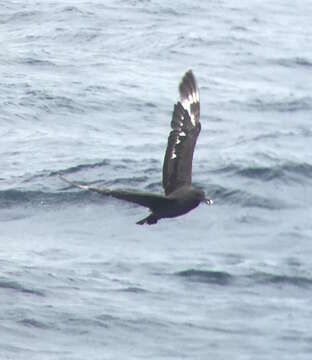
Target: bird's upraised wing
x,y
149,200
177,168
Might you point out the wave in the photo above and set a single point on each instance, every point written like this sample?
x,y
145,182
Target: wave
x,y
283,171
293,62
47,101
287,104
72,9
223,278
82,167
13,285
274,103
267,278
37,62
208,277
222,195
22,16
33,323
13,198
133,289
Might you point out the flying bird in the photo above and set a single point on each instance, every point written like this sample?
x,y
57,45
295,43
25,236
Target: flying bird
x,y
180,196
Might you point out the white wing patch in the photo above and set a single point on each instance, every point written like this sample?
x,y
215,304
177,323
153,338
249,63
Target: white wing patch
x,y
186,114
187,102
177,141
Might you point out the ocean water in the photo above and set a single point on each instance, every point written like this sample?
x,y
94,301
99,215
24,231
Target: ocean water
x,y
86,90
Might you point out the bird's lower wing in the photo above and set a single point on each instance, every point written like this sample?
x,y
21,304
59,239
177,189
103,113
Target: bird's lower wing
x,y
148,200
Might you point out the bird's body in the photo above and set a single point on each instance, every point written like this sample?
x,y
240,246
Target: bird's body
x,y
180,196
179,202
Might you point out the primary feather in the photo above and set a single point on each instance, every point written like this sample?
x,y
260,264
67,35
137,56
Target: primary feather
x,y
177,168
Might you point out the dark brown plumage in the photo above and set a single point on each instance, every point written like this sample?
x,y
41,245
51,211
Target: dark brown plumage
x,y
180,196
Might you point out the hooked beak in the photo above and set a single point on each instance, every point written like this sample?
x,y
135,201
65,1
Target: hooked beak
x,y
208,201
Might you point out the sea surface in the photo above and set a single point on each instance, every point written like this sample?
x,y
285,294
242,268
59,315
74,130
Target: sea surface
x,y
86,90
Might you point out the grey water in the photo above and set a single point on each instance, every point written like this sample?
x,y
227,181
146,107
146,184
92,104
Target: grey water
x,y
86,90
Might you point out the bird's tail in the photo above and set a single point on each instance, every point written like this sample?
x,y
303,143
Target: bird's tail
x,y
150,219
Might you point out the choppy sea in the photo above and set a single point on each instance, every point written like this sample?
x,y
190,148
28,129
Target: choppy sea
x,y
86,90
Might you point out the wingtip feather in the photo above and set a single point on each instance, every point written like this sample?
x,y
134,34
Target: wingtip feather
x,y
189,96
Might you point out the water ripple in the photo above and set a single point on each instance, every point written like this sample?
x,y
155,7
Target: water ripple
x,y
13,285
252,279
205,276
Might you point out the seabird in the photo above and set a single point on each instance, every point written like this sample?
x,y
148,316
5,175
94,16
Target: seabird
x,y
180,196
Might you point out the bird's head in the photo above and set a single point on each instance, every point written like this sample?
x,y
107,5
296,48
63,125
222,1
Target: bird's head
x,y
202,197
